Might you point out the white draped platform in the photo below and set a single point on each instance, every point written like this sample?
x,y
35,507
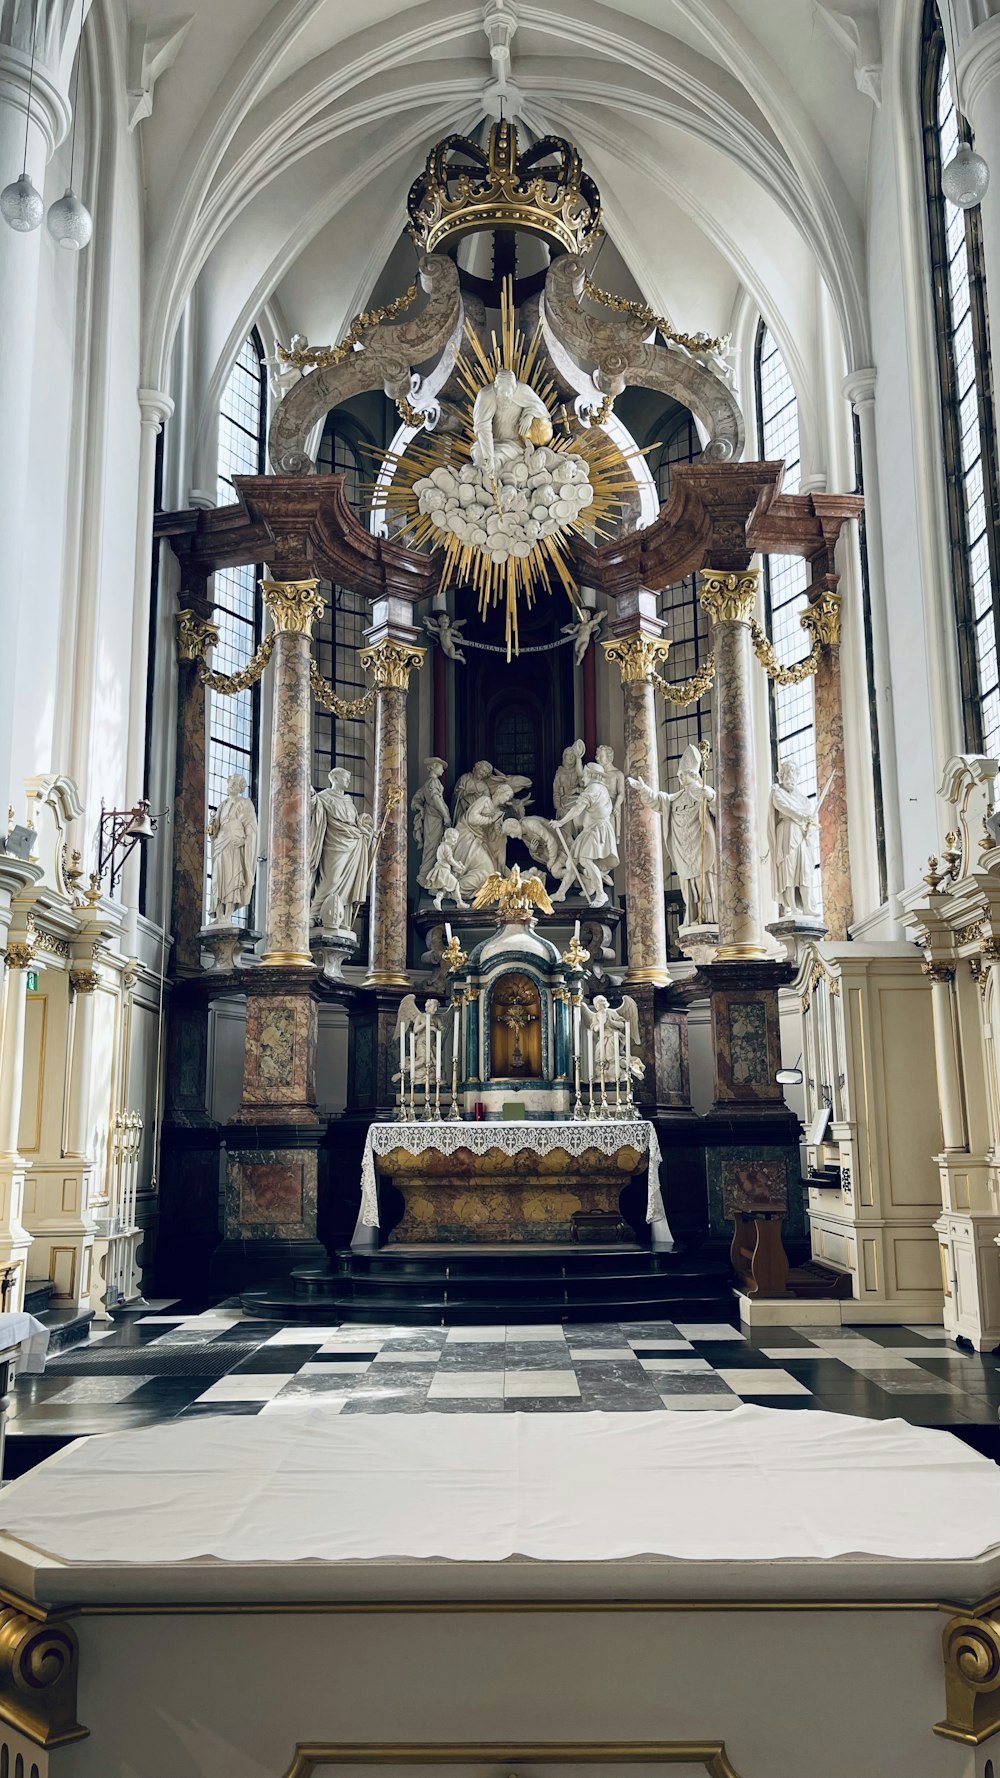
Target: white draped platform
x,y
754,1486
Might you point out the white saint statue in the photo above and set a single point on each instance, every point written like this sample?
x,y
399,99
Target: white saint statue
x,y
688,823
593,853
233,833
616,784
791,822
568,781
339,854
506,418
431,816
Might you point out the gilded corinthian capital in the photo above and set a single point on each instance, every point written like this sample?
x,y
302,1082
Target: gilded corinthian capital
x,y
637,657
294,604
195,636
390,663
729,598
821,618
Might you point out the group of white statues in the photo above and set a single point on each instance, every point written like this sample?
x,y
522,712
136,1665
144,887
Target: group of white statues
x,y
462,846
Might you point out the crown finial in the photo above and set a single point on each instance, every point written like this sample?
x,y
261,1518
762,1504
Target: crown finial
x,y
543,190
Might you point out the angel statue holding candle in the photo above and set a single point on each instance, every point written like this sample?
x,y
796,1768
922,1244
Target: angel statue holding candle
x,y
615,1036
422,1038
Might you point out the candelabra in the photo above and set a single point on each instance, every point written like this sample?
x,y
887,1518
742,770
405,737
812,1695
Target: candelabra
x,y
605,1111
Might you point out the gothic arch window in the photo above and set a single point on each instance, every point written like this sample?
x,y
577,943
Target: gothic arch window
x,y
793,716
234,722
339,634
967,412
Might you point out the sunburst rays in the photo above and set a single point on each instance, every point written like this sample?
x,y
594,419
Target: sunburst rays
x,y
549,563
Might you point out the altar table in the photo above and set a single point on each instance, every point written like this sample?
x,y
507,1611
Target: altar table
x,y
608,1136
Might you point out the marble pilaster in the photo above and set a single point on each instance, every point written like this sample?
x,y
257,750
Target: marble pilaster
x,y
389,664
822,619
638,657
293,604
196,635
730,599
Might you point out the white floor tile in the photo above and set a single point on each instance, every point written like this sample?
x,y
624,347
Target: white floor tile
x,y
451,1384
809,1352
598,1352
469,1336
335,1367
389,1355
519,1336
534,1383
327,1404
710,1330
253,1386
300,1336
750,1382
703,1403
934,1328
647,1345
167,1320
684,1365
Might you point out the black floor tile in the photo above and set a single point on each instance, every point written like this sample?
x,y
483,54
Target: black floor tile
x,y
273,1360
221,1407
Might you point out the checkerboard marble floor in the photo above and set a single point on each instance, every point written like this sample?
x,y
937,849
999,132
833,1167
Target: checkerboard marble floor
x,y
180,1361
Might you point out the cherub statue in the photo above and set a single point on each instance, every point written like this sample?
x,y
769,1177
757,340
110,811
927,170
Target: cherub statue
x,y
443,876
507,416
608,1022
282,376
410,1017
584,627
447,632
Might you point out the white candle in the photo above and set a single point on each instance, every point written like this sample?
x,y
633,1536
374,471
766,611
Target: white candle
x,y
618,1071
576,1033
628,1051
413,1058
447,930
438,1055
576,932
427,1053
590,1052
402,1058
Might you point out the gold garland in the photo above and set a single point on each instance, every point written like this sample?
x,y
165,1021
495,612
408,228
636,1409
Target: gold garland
x,y
230,683
692,342
803,669
688,691
321,357
324,694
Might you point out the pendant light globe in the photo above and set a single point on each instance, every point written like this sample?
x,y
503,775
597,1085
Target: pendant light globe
x,y
21,205
69,221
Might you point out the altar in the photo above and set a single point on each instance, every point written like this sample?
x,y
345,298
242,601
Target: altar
x,y
518,1181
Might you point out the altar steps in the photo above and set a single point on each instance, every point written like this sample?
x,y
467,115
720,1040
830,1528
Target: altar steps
x,y
452,1286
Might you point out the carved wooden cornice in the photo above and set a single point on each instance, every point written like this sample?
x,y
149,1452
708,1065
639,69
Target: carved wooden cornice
x,y
805,525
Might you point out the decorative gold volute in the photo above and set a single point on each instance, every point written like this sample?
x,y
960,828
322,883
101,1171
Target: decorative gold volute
x,y
390,664
84,981
543,189
729,598
19,955
971,1649
195,636
294,605
637,657
38,1678
821,618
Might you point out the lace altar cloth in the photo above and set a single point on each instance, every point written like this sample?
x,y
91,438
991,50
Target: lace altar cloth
x,y
532,1138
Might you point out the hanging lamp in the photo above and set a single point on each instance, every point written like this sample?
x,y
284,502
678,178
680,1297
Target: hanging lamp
x,y
69,222
21,205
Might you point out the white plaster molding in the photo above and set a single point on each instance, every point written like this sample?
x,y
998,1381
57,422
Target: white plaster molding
x,y
151,51
501,98
50,109
854,26
155,406
859,387
977,72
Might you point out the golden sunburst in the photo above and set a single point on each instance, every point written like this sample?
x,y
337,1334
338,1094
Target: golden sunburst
x,y
549,558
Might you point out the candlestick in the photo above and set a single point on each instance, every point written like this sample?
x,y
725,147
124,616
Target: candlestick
x,y
437,1075
413,1072
618,1075
578,1112
603,1064
402,1072
455,1114
427,1066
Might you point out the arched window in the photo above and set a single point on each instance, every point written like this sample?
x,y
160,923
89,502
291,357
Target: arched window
x,y
340,631
233,722
966,402
793,717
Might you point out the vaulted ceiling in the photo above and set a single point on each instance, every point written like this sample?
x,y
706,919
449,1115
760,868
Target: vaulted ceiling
x,y
729,139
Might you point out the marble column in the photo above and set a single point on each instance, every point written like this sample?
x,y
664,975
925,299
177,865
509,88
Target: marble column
x,y
977,73
389,664
730,600
638,657
196,635
15,1240
949,1079
822,619
294,605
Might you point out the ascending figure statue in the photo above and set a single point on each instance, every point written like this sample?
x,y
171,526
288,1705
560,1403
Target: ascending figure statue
x,y
688,834
339,854
616,784
790,825
430,816
233,833
582,629
594,851
507,417
568,781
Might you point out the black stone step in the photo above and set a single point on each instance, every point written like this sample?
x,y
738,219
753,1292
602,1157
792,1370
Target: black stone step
x,y
67,1328
412,1312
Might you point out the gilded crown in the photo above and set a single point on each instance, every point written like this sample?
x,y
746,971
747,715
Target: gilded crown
x,y
465,188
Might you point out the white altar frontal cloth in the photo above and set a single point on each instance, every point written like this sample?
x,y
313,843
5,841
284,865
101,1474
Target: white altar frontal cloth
x,y
523,1137
756,1485
21,1329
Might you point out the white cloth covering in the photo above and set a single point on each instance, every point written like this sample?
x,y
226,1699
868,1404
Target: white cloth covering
x,y
754,1484
23,1330
513,1139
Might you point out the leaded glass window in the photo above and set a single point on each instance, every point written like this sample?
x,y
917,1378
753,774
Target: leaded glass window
x,y
686,625
966,402
339,636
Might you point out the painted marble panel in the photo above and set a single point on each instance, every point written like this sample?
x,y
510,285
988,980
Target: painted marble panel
x,y
271,1194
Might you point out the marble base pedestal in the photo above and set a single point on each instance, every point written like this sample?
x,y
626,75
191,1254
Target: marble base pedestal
x,y
225,945
796,931
190,1151
332,947
700,943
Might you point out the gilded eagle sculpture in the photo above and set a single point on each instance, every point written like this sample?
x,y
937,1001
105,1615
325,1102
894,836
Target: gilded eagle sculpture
x,y
518,898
